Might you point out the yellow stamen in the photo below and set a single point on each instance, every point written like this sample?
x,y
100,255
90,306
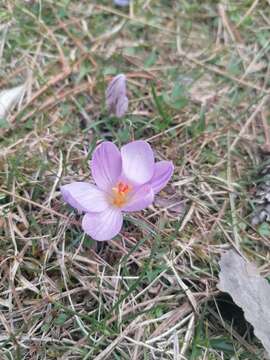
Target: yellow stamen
x,y
120,194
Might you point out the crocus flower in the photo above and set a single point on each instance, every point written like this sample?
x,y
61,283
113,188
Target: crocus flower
x,y
121,2
116,96
126,181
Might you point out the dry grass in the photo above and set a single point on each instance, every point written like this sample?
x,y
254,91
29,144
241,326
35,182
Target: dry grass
x,y
198,79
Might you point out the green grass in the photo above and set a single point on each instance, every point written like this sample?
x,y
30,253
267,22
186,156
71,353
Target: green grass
x,y
195,78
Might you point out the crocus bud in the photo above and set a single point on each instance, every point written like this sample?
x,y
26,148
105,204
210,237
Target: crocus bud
x,y
121,2
116,96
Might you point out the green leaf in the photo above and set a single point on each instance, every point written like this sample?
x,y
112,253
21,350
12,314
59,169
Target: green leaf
x,y
178,99
85,69
160,105
264,229
198,127
46,327
195,349
234,67
124,135
221,344
110,70
151,60
4,123
61,319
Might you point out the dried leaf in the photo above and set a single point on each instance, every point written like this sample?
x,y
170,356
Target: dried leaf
x,y
174,204
255,67
204,90
9,98
249,290
28,285
4,302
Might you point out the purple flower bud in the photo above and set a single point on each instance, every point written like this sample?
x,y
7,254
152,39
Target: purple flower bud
x,y
121,2
116,96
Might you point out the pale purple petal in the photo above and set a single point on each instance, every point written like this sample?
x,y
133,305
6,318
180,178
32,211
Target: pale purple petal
x,y
106,165
116,86
116,95
137,162
163,171
140,199
121,2
85,197
104,225
121,106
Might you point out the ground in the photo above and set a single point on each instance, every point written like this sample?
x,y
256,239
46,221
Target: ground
x,y
198,85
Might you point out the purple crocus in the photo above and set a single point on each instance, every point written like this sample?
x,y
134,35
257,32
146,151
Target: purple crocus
x,y
116,96
126,181
121,2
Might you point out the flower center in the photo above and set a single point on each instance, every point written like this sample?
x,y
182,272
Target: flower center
x,y
120,194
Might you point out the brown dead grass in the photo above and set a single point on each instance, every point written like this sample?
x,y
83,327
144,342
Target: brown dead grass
x,y
144,295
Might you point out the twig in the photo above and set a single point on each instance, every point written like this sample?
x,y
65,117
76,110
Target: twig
x,y
248,122
223,73
248,13
51,211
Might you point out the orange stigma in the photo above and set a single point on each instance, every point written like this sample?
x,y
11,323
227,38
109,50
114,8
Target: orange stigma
x,y
120,192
